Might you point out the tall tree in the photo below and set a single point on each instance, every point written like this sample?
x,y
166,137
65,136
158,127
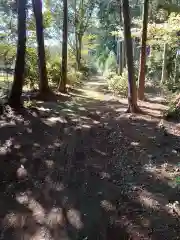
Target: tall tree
x,y
132,91
142,69
164,65
83,11
16,91
63,81
120,43
43,84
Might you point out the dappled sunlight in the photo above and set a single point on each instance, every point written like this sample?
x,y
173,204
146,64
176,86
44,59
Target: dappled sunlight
x,y
100,152
57,186
96,155
94,95
50,164
21,173
55,120
4,123
41,233
135,231
16,220
38,212
29,130
104,175
23,197
121,110
81,156
166,173
158,203
43,109
107,206
147,199
74,218
96,122
86,126
5,148
82,108
55,218
135,144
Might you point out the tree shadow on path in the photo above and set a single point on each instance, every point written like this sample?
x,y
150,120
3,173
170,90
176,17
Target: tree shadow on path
x,y
85,170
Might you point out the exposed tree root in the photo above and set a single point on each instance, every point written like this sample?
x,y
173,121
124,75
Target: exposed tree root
x,y
62,90
46,95
134,109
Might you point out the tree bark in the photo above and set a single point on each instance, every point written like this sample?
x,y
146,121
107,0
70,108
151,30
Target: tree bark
x,y
121,56
142,71
164,65
43,84
176,70
132,91
16,91
78,50
63,82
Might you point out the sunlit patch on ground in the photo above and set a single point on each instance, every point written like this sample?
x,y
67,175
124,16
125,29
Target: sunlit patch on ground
x,y
85,168
74,218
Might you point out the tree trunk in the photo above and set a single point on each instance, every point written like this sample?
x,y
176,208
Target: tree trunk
x,y
176,70
63,82
121,67
43,84
120,57
132,91
123,58
78,50
76,37
16,91
164,65
142,70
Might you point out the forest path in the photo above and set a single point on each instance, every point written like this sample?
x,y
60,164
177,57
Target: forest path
x,y
83,169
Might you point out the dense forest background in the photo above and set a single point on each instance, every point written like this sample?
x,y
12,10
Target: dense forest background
x,y
78,38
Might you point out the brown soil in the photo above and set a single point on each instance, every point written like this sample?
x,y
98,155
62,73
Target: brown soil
x,y
84,169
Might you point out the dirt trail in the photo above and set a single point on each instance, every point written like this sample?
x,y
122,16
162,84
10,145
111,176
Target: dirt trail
x,y
83,169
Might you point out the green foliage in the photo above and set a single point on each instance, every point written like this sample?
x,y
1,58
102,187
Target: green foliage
x,y
7,54
173,111
54,70
31,68
171,86
154,64
75,77
158,34
110,63
118,84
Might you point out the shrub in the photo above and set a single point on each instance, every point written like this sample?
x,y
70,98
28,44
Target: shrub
x,y
74,77
173,111
54,71
170,85
154,65
31,68
110,75
84,69
119,84
111,63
